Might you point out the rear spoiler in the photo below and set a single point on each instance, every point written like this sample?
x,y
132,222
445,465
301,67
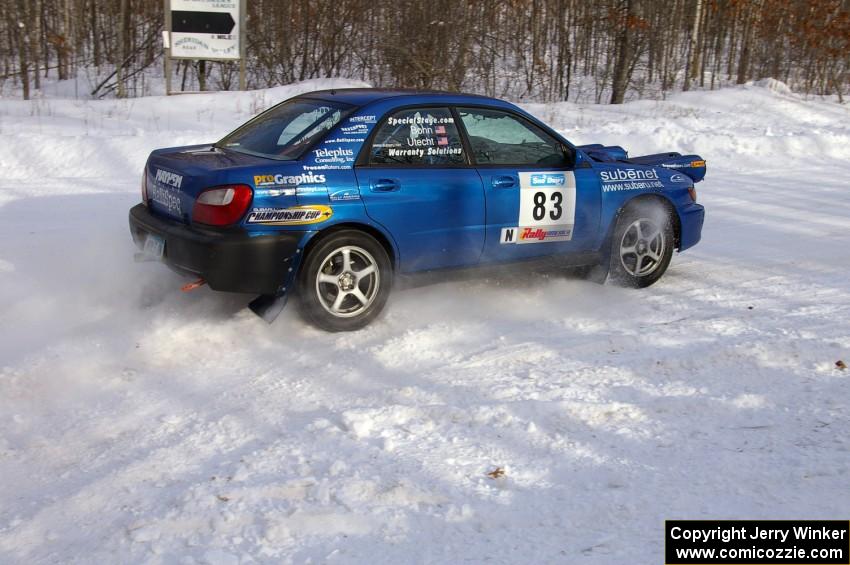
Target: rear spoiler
x,y
690,165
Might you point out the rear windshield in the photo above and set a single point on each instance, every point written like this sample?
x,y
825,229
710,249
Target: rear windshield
x,y
287,130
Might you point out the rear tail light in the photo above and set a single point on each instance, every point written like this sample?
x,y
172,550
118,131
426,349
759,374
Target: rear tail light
x,y
222,205
145,188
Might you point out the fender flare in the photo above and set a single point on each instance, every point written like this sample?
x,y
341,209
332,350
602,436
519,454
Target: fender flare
x,y
386,241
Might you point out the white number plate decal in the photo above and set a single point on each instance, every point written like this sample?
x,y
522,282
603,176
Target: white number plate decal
x,y
547,207
154,246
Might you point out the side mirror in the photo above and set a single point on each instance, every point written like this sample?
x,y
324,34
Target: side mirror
x,y
569,156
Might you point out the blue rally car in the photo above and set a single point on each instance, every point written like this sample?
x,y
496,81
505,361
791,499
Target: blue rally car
x,y
333,194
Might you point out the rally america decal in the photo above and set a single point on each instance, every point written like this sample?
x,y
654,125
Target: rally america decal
x,y
547,205
345,195
293,216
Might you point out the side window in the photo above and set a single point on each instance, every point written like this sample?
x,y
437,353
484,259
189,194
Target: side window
x,y
420,136
500,138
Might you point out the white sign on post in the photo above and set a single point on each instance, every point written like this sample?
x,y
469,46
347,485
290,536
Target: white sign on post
x,y
205,29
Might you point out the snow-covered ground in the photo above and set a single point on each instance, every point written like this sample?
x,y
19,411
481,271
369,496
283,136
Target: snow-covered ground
x,y
140,424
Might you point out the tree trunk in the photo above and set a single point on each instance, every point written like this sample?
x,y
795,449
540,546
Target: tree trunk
x,y
622,66
693,53
122,49
35,26
22,27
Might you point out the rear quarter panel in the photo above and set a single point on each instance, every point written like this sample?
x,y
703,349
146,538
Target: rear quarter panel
x,y
622,183
322,180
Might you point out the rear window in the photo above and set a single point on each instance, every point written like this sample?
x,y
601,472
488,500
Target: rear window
x,y
420,136
287,130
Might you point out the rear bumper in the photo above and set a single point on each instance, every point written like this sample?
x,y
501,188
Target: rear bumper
x,y
229,260
692,219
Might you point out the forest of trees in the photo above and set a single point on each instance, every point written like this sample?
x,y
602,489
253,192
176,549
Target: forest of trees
x,y
545,50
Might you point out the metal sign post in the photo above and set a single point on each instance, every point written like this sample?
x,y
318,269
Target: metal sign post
x,y
209,30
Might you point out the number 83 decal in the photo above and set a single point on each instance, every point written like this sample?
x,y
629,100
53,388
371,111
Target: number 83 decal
x,y
555,211
547,200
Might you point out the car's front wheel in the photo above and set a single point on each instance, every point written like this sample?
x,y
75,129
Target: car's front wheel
x,y
642,246
345,281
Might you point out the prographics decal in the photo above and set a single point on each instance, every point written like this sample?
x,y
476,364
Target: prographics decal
x,y
294,216
273,180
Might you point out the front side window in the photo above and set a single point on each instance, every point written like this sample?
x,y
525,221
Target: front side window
x,y
500,138
287,130
419,136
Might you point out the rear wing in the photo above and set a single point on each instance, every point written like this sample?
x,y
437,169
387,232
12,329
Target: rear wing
x,y
690,165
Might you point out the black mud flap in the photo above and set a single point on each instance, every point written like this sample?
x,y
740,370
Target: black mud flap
x,y
268,306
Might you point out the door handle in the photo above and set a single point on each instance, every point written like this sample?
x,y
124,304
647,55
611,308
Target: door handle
x,y
504,182
385,185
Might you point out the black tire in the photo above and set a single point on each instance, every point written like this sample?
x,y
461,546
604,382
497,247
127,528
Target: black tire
x,y
641,246
326,260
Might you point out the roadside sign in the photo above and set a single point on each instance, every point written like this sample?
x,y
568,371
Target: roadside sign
x,y
205,29
209,30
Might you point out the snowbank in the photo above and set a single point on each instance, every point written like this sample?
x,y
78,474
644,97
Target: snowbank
x,y
138,424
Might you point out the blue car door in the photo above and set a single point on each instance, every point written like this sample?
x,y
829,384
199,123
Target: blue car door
x,y
538,202
417,184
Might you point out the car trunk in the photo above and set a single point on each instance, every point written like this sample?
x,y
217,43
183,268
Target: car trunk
x,y
175,177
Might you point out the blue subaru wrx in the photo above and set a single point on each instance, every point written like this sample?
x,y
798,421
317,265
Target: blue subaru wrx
x,y
333,194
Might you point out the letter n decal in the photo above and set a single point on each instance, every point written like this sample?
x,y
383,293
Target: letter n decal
x,y
508,235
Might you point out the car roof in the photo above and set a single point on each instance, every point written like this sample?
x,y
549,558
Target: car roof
x,y
364,96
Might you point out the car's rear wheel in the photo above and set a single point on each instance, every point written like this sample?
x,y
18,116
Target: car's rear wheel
x,y
642,246
345,281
